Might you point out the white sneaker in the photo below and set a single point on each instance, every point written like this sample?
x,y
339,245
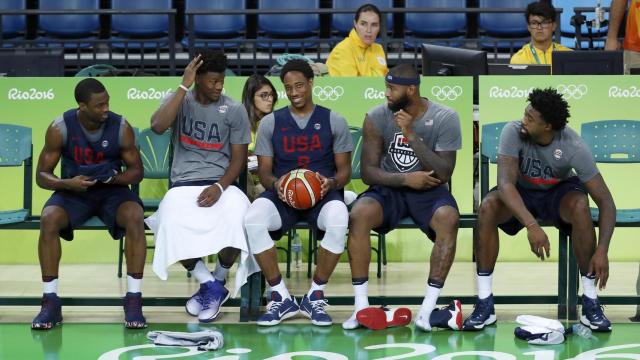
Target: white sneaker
x,y
422,322
352,322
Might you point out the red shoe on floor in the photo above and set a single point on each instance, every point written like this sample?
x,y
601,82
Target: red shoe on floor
x,y
381,317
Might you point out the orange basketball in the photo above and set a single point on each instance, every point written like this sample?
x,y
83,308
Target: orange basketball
x,y
301,189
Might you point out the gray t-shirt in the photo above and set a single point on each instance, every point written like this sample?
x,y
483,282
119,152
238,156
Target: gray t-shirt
x,y
91,136
439,129
202,135
543,167
342,141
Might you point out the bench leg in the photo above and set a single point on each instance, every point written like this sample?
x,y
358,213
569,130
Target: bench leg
x,y
572,288
562,276
120,253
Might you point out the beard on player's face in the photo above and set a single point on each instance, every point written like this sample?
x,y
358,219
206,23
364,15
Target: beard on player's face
x,y
399,104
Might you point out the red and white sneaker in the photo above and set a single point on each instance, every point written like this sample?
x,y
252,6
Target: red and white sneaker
x,y
378,318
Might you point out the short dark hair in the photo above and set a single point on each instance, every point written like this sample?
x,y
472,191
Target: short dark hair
x,y
365,8
551,105
213,60
404,71
542,8
86,87
297,65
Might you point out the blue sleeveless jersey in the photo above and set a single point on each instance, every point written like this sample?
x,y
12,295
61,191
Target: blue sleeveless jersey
x,y
309,148
80,156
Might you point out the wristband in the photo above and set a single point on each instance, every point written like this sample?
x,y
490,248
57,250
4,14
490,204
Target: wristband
x,y
220,186
527,226
186,89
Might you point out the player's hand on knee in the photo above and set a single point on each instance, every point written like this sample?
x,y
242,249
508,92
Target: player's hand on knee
x,y
79,183
538,241
421,180
599,266
209,196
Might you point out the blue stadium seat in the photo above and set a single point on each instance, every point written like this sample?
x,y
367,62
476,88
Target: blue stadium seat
x,y
13,25
508,26
208,28
435,25
152,28
68,26
343,23
292,26
569,32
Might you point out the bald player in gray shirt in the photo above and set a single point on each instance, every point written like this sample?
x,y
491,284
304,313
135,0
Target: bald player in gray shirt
x,y
545,172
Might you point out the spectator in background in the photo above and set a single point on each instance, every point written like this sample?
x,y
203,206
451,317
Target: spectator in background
x,y
631,42
259,96
541,20
358,54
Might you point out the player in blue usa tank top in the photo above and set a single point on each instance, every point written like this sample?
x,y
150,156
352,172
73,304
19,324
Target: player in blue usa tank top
x,y
94,143
303,135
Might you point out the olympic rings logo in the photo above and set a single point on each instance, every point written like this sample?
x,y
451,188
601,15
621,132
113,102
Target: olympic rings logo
x,y
324,93
446,92
572,91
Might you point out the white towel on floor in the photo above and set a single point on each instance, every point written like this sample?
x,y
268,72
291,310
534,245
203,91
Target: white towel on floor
x,y
183,230
204,340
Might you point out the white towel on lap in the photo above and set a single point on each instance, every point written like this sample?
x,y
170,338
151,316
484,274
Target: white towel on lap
x,y
183,230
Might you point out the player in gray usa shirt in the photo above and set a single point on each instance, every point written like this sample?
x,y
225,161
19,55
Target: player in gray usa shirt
x,y
545,172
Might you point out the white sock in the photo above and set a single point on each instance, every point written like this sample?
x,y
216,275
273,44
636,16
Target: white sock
x,y
201,272
484,285
133,285
220,273
429,302
361,296
281,288
589,287
315,286
50,286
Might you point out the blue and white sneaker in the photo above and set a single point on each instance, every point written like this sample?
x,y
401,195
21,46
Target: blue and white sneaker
x,y
194,304
447,317
484,313
133,318
593,315
313,308
278,310
50,313
212,294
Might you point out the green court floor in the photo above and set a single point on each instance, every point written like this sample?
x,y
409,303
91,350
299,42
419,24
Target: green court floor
x,y
299,341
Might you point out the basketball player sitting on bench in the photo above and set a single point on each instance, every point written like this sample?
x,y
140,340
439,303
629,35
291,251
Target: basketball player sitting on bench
x,y
307,136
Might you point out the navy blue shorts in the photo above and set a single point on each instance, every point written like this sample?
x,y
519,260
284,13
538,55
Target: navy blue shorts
x,y
100,201
544,205
291,216
420,205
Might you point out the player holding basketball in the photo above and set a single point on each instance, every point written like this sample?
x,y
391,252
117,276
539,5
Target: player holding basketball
x,y
93,143
536,182
408,156
303,135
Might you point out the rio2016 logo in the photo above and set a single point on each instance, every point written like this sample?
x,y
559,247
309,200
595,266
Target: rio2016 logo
x,y
573,91
618,92
446,92
30,94
330,93
147,94
513,92
373,94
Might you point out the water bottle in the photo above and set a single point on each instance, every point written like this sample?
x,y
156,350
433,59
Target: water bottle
x,y
582,331
599,16
296,248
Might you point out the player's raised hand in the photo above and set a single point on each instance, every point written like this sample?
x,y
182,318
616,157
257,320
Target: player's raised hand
x,y
403,120
189,75
421,180
538,241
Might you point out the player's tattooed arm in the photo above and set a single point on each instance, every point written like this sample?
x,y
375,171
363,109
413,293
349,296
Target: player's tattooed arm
x,y
441,162
372,147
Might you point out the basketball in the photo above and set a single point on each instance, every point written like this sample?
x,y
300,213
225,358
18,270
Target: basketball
x,y
301,189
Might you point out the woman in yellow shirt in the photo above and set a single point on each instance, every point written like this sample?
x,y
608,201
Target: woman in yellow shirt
x,y
359,54
259,97
541,20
